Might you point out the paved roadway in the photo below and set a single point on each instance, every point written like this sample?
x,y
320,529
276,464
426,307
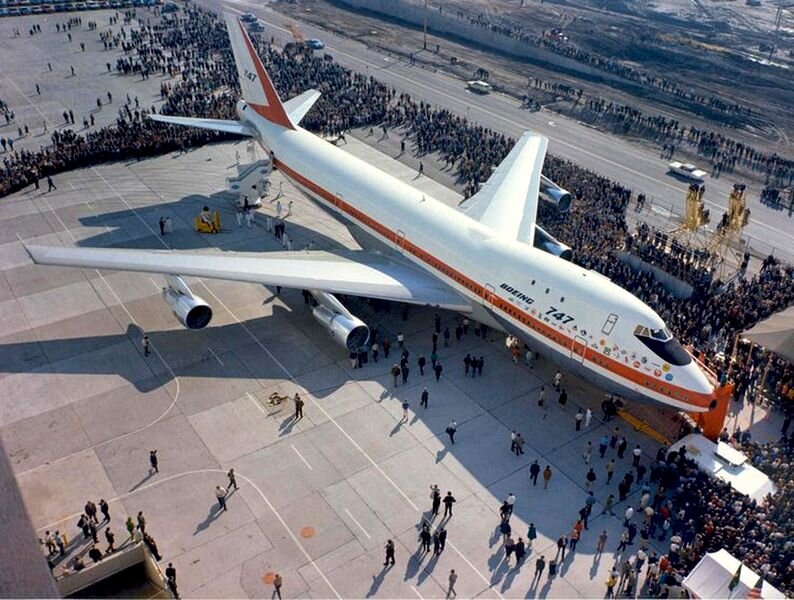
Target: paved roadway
x,y
631,164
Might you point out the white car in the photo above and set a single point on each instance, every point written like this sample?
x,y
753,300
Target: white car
x,y
687,171
481,87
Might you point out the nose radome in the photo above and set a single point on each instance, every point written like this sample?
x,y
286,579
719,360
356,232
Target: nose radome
x,y
697,381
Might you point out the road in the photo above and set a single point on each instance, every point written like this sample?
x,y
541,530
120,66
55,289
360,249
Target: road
x,y
631,164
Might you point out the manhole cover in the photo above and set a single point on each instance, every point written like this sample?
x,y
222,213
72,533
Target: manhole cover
x,y
307,532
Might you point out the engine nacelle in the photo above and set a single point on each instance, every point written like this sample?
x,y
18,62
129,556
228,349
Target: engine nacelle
x,y
188,308
554,194
347,330
548,243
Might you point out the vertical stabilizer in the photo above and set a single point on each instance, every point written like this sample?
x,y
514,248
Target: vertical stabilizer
x,y
258,90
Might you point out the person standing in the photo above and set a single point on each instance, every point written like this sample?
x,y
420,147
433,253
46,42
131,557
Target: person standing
x,y
421,362
562,542
425,537
111,539
453,579
588,417
161,223
588,453
546,476
602,445
50,185
130,527
60,541
232,479
436,543
519,444
540,564
437,369
103,506
442,538
563,400
389,553
534,471
170,577
153,461
220,494
557,380
452,428
602,542
277,583
141,522
591,478
425,397
578,418
532,533
610,469
406,406
449,500
145,343
435,497
637,452
542,397
611,581
395,373
298,406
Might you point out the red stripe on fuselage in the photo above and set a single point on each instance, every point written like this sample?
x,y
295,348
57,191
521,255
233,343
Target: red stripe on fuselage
x,y
615,367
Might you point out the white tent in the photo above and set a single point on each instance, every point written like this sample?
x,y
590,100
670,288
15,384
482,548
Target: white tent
x,y
713,574
729,465
775,333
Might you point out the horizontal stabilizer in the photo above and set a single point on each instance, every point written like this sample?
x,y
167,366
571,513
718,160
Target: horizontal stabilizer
x,y
214,124
298,106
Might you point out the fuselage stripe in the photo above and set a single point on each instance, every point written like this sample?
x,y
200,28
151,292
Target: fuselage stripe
x,y
494,301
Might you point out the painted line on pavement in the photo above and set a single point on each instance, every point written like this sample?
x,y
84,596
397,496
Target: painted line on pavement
x,y
369,537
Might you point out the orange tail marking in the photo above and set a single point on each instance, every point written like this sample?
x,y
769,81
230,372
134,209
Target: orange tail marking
x,y
274,110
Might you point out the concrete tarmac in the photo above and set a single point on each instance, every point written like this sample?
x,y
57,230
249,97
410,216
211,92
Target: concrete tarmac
x,y
81,406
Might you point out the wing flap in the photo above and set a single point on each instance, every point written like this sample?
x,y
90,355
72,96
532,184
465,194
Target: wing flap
x,y
214,124
355,273
508,201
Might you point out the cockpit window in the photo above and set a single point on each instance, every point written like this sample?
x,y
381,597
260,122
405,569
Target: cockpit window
x,y
662,343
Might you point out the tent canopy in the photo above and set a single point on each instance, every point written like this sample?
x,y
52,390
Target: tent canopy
x,y
726,464
713,574
775,333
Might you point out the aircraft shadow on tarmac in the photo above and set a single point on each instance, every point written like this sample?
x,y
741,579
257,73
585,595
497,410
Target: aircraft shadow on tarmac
x,y
184,237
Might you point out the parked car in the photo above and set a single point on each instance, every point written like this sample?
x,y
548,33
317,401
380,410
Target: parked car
x,y
315,44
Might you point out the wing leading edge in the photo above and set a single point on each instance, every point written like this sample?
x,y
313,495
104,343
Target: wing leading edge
x,y
356,273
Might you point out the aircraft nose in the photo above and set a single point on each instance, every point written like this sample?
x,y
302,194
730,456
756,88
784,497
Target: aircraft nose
x,y
697,381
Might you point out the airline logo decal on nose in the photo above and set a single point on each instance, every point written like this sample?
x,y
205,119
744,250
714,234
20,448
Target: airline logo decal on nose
x,y
518,294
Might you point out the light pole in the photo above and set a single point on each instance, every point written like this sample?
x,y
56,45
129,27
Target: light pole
x,y
424,43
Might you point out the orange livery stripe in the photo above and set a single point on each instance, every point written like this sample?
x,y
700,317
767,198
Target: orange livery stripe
x,y
553,335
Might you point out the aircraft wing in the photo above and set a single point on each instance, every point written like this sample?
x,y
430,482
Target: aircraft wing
x,y
357,273
214,124
508,201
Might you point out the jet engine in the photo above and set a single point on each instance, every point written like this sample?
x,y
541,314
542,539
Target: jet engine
x,y
554,194
548,243
345,328
188,308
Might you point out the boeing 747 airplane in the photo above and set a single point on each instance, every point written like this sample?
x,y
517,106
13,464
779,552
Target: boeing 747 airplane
x,y
487,259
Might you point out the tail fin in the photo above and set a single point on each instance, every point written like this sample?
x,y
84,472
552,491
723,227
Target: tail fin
x,y
258,90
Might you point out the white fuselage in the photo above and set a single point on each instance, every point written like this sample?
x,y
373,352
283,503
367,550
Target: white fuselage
x,y
586,320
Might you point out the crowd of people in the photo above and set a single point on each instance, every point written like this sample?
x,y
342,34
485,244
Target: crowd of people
x,y
555,41
194,44
704,514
